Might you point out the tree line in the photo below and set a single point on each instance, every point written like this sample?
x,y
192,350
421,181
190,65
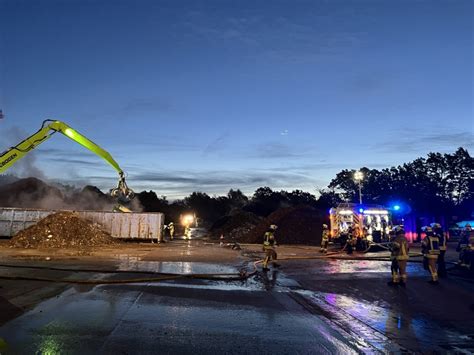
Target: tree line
x,y
440,184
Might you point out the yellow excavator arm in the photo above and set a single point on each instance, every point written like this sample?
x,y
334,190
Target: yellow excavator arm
x,y
48,128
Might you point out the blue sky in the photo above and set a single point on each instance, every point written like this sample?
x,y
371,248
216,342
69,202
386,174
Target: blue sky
x,y
212,95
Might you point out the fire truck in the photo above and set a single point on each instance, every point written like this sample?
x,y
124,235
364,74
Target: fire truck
x,y
372,220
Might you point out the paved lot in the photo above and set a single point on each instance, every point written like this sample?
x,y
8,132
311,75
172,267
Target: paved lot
x,y
306,306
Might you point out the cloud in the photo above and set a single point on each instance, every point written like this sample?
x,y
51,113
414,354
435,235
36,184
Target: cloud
x,y
217,144
208,178
293,39
417,140
177,184
277,150
75,162
134,107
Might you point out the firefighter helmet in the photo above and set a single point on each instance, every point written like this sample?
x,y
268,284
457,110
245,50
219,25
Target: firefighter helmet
x,y
273,227
325,226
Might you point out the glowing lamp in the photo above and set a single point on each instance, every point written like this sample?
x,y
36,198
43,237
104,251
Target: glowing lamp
x,y
359,175
187,219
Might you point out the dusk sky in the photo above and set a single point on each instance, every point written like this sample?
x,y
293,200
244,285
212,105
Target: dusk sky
x,y
212,95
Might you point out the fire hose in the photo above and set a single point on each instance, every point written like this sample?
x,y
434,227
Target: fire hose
x,y
242,275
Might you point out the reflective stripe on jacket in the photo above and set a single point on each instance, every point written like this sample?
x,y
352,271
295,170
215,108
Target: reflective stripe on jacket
x,y
431,246
400,248
269,240
442,241
325,235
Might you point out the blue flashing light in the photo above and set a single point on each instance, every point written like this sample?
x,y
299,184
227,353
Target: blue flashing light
x,y
361,210
396,207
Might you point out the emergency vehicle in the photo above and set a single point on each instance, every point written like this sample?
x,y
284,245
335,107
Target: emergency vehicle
x,y
374,221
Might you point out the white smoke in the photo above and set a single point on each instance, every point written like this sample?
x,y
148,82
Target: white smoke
x,y
25,167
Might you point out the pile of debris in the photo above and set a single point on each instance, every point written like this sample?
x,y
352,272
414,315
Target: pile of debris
x,y
233,226
296,225
62,230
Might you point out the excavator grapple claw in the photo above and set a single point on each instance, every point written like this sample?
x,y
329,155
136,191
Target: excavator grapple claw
x,y
122,192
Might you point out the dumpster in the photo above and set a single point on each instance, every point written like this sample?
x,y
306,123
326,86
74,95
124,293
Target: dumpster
x,y
119,225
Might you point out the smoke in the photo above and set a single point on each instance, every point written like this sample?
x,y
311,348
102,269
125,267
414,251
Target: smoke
x,y
25,167
34,193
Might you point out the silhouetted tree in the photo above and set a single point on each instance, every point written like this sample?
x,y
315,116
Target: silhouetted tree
x,y
152,203
441,183
236,199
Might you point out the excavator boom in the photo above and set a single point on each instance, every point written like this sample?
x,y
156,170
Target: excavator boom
x,y
48,128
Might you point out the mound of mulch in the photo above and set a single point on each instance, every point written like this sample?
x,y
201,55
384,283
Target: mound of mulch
x,y
62,230
234,226
296,225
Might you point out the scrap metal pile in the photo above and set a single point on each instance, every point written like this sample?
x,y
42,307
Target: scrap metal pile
x,y
62,230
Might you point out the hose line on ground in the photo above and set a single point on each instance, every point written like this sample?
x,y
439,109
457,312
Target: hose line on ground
x,y
215,277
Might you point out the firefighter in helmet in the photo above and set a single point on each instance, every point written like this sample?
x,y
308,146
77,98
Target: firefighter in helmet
x,y
438,231
399,255
269,244
351,240
187,232
324,239
364,240
171,230
464,246
430,249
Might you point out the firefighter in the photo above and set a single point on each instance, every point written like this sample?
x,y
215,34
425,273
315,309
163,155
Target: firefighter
x,y
463,246
171,230
385,230
364,240
430,249
351,239
325,239
269,244
470,250
187,232
399,256
438,231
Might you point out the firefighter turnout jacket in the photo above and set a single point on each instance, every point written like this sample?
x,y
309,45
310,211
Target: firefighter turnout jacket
x,y
269,240
325,237
399,248
430,246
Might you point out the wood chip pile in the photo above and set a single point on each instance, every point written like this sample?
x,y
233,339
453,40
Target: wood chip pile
x,y
62,230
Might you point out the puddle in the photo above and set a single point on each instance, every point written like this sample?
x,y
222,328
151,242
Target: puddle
x,y
134,263
413,331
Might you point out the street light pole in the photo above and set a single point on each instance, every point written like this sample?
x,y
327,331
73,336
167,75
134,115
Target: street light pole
x,y
360,192
359,176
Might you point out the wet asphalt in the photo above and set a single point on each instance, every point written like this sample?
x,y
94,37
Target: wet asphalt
x,y
304,307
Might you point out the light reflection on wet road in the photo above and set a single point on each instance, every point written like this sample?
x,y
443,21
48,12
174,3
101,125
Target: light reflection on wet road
x,y
316,306
137,318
